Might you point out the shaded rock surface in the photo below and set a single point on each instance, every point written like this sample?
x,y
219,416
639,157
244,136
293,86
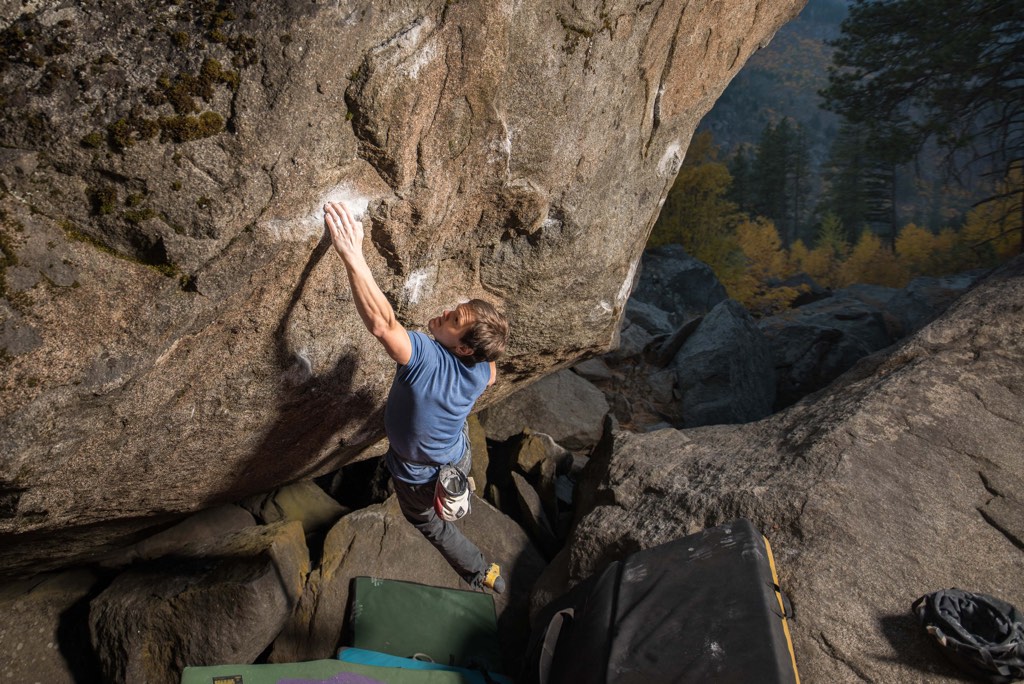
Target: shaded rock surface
x,y
536,520
562,405
217,602
924,298
724,370
303,501
164,169
208,525
869,492
675,282
379,542
814,344
41,635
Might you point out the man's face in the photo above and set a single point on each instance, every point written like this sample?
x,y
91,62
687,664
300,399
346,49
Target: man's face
x,y
450,326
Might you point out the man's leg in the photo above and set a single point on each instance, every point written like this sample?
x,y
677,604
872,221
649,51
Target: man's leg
x,y
417,502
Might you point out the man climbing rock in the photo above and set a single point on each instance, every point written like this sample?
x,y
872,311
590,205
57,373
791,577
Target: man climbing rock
x,y
436,384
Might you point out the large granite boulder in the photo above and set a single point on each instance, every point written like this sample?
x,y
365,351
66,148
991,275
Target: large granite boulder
x,y
562,405
41,633
175,331
673,281
925,297
814,344
647,316
303,501
379,542
724,371
206,525
217,602
903,477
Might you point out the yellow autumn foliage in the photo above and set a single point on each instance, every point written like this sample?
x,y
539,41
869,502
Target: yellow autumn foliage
x,y
872,262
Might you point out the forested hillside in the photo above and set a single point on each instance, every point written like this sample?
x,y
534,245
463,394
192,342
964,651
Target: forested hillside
x,y
853,149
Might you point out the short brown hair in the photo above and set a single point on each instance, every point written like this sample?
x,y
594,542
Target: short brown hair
x,y
489,334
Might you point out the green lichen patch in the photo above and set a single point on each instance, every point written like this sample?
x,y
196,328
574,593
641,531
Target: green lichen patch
x,y
27,42
182,90
126,131
92,140
180,39
137,216
212,74
103,199
185,128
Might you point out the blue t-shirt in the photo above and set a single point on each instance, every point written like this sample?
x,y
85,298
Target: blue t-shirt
x,y
430,399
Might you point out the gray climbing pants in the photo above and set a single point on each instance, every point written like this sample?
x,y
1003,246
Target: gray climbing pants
x,y
417,503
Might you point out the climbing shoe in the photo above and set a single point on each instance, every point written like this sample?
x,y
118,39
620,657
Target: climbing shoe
x,y
493,579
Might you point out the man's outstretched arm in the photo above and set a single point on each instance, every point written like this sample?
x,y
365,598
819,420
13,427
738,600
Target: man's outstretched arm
x,y
373,307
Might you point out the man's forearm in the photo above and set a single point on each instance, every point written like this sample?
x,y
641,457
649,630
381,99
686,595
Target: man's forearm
x,y
373,307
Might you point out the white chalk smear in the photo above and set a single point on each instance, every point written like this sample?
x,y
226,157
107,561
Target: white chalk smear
x,y
627,284
312,223
420,60
670,161
416,285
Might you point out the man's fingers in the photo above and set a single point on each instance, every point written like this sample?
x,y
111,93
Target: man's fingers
x,y
332,211
345,215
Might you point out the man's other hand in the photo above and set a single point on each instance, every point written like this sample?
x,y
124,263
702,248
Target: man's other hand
x,y
346,233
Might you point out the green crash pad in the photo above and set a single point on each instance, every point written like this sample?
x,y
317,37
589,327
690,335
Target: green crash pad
x,y
316,672
450,626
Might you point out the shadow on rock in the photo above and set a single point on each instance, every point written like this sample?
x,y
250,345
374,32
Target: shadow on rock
x,y
312,410
908,638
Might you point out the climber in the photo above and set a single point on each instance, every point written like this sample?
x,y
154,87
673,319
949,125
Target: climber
x,y
435,386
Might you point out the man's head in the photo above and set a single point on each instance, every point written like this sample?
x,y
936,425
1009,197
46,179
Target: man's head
x,y
473,329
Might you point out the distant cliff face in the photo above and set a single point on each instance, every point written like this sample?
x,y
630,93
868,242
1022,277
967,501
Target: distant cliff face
x,y
175,332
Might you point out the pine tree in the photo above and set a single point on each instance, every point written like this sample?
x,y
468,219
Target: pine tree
x,y
943,70
781,177
741,192
860,182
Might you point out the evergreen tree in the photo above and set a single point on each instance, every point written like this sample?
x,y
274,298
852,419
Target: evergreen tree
x,y
942,70
770,167
799,178
781,171
860,183
742,191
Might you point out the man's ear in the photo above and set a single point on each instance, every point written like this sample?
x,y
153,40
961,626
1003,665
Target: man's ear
x,y
463,350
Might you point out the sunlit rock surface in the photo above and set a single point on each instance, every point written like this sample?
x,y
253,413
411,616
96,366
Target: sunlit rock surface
x,y
902,477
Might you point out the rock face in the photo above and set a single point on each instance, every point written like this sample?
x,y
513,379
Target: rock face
x,y
202,609
41,635
814,344
724,370
902,478
175,331
562,405
673,281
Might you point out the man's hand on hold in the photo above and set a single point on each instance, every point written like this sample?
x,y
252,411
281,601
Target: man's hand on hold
x,y
346,233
